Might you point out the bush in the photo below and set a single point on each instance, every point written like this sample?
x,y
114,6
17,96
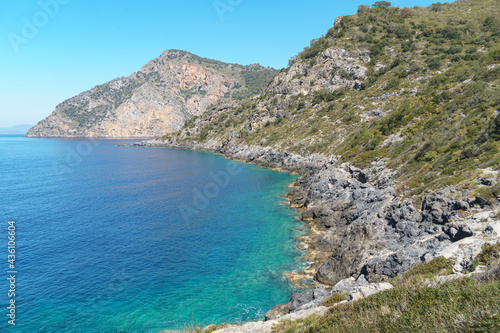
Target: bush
x,y
434,63
375,50
363,8
381,4
317,46
494,56
393,83
454,50
396,63
409,46
325,96
450,33
402,32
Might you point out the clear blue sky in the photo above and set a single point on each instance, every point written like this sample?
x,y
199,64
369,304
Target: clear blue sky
x,y
88,42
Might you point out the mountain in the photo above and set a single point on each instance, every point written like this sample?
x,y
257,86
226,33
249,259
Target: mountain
x,y
18,129
158,99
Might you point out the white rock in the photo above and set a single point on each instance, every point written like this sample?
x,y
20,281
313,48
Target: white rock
x,y
267,326
365,291
483,215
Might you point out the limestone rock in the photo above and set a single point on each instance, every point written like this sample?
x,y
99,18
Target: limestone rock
x,y
347,285
267,326
278,311
365,291
439,207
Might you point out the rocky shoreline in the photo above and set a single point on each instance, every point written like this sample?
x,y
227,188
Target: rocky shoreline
x,y
362,232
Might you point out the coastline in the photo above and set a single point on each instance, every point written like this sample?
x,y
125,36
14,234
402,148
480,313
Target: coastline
x,y
301,167
360,231
87,137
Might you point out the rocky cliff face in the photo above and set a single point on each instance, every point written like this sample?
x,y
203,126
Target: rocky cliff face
x,y
156,100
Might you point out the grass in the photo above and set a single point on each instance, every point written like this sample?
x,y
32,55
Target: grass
x,y
457,306
464,305
438,266
488,254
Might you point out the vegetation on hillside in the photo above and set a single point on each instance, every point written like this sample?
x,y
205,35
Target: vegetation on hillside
x,y
252,79
457,306
429,102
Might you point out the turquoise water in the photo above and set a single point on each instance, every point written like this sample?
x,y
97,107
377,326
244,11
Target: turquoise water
x,y
118,239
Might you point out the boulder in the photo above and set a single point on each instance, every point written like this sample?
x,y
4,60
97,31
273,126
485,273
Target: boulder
x,y
479,202
489,231
299,299
365,291
320,292
347,285
458,232
437,208
278,311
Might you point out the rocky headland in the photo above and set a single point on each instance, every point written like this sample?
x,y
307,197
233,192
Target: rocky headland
x,y
158,99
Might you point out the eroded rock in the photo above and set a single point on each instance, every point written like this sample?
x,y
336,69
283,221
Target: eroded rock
x,y
365,291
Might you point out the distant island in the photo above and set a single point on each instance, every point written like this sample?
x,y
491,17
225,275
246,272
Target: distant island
x,y
17,129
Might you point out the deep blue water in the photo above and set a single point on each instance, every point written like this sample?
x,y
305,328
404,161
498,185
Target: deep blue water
x,y
119,239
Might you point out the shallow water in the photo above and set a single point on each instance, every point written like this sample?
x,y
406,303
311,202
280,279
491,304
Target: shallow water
x,y
120,239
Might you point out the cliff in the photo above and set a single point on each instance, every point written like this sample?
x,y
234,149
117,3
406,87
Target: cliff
x,y
158,99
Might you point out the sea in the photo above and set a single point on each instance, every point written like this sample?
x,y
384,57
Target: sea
x,y
106,238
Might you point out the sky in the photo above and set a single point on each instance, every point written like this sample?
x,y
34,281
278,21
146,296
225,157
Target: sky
x,y
52,50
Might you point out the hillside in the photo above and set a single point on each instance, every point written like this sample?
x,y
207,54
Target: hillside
x,y
167,91
417,86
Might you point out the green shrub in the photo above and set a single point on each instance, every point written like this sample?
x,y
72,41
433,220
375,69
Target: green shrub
x,y
336,298
454,50
382,4
393,83
434,63
396,63
317,46
325,96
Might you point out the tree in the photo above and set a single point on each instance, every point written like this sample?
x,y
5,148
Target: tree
x,y
363,8
382,4
405,12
